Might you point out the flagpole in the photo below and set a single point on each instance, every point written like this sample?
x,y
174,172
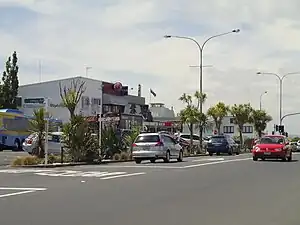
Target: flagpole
x,y
150,97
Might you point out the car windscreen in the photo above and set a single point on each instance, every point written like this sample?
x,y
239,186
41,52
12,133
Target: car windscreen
x,y
147,138
271,140
218,139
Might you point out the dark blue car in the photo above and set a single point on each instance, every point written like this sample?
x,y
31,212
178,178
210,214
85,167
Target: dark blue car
x,y
222,144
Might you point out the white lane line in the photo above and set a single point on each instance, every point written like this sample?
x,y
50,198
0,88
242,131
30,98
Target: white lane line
x,y
213,163
144,166
16,193
208,159
120,176
23,189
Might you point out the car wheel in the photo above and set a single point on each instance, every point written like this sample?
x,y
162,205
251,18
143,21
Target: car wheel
x,y
152,160
180,157
230,151
167,158
255,158
210,153
237,152
284,158
218,153
138,161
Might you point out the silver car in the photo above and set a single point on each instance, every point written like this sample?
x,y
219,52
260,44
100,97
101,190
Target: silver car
x,y
54,143
153,146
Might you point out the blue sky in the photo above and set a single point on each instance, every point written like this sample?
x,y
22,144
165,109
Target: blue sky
x,y
123,41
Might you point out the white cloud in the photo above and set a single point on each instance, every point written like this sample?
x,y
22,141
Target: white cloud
x,y
123,40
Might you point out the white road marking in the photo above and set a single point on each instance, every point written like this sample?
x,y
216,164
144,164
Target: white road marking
x,y
208,159
124,175
213,163
21,191
143,166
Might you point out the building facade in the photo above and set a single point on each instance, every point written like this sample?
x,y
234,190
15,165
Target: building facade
x,y
116,102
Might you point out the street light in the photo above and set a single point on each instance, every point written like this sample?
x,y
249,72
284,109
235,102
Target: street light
x,y
87,68
280,89
260,99
200,48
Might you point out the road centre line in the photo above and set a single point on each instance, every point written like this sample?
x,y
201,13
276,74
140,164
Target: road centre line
x,y
208,159
213,163
124,175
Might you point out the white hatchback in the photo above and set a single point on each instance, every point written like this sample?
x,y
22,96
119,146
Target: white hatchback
x,y
54,143
153,146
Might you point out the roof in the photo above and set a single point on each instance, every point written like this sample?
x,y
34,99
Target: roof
x,y
58,80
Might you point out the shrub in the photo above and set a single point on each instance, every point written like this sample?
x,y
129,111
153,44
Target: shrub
x,y
53,159
78,140
124,156
117,157
27,160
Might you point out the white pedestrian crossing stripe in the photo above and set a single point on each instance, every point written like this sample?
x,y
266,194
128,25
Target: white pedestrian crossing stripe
x,y
73,173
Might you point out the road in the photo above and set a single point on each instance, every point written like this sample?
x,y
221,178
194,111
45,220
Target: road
x,y
227,190
6,157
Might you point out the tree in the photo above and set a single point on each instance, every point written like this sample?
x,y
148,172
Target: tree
x,y
259,119
38,125
218,112
71,95
241,115
10,83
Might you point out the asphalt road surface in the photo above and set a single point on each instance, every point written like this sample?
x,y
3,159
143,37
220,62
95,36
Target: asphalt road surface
x,y
208,191
6,157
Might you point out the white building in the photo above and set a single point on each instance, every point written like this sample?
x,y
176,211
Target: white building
x,y
33,94
115,100
227,127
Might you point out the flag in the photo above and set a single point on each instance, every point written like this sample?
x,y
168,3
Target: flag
x,y
152,92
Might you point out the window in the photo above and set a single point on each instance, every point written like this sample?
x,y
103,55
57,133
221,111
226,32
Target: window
x,y
231,120
228,129
96,101
105,108
147,138
247,129
169,140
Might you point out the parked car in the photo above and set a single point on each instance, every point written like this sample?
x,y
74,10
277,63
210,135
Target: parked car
x,y
153,146
294,146
54,143
222,144
272,147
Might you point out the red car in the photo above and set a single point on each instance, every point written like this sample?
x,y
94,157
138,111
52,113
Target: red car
x,y
272,147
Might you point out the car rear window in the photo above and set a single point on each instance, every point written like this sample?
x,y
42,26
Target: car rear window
x,y
271,140
147,138
218,139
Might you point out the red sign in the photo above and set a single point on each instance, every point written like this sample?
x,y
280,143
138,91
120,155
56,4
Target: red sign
x,y
168,124
215,132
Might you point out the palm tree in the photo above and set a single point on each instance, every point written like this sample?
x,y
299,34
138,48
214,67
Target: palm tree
x,y
200,97
218,112
38,125
259,118
241,115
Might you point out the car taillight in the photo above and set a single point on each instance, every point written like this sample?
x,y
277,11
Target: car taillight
x,y
29,141
134,145
159,144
